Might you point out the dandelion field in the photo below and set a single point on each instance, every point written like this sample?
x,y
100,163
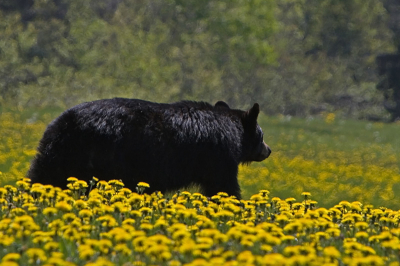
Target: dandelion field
x,y
328,195
334,160
43,225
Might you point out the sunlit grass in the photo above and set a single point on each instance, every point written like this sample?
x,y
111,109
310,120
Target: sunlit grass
x,y
351,160
334,159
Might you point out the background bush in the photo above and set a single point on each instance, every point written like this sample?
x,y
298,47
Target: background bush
x,y
293,57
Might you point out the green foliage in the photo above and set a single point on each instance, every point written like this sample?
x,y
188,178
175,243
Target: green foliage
x,y
293,57
167,51
327,53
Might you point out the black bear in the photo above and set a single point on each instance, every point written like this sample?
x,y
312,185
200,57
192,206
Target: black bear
x,y
169,146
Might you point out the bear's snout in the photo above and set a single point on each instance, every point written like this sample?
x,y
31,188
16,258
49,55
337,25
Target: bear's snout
x,y
265,152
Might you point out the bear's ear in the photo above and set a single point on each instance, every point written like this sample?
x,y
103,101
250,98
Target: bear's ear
x,y
250,116
253,112
222,104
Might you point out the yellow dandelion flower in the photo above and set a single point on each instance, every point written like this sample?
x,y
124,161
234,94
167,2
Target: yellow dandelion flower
x,y
345,204
143,184
199,262
275,200
120,207
102,185
10,189
104,245
146,211
146,227
123,249
80,204
181,234
108,221
361,226
156,249
161,224
136,214
50,211
330,118
35,255
268,238
197,203
245,258
174,263
72,179
224,215
293,227
216,198
6,240
58,261
120,235
18,212
63,206
256,197
139,243
222,194
135,199
22,185
11,257
85,213
362,236
385,236
51,246
86,253
3,192
164,256
101,261
282,219
40,240
220,238
159,240
187,246
273,259
290,200
9,263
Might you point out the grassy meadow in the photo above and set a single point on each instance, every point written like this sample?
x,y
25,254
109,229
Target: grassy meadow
x,y
333,159
328,195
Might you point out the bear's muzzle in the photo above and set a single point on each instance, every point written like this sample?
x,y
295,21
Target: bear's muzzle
x,y
264,153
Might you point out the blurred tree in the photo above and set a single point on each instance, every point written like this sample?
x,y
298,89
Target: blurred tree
x,y
13,73
327,50
156,50
389,69
389,64
296,57
23,7
219,46
393,8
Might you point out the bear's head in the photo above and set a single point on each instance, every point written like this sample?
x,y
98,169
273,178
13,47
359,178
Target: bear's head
x,y
254,149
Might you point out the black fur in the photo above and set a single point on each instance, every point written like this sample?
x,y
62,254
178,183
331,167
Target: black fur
x,y
168,146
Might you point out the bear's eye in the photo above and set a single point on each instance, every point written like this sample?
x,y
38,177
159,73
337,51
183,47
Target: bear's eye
x,y
260,133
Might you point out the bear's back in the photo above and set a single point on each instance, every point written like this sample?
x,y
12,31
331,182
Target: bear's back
x,y
184,121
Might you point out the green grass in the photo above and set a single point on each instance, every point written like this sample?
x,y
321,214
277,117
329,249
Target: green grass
x,y
341,160
341,135
334,160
